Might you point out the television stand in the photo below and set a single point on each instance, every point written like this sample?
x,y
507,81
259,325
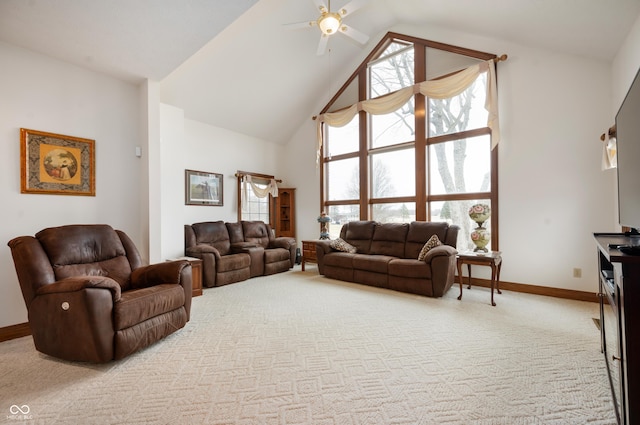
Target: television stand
x,y
619,293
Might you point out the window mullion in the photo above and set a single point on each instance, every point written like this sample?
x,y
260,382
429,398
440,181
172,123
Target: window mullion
x,y
364,143
420,117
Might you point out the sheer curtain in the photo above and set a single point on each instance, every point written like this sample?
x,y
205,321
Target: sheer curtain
x,y
438,89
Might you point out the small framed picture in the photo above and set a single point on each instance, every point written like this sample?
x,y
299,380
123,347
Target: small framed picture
x,y
56,164
202,188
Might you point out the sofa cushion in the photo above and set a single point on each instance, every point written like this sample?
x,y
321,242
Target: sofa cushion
x,y
389,239
420,232
275,255
235,232
359,234
409,268
92,250
431,243
138,305
339,259
213,233
342,245
233,262
256,232
372,263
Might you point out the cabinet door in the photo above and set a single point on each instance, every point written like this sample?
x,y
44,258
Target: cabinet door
x,y
610,328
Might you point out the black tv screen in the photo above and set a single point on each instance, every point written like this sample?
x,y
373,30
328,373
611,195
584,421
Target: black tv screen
x,y
628,153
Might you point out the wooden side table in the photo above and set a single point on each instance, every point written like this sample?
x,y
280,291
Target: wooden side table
x,y
492,259
308,253
196,274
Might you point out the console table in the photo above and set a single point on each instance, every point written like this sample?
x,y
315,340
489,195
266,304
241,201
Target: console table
x,y
492,259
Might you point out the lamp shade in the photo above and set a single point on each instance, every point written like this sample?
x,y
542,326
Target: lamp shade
x,y
329,23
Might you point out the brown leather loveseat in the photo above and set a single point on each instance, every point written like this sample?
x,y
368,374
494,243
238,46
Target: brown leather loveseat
x,y
233,252
90,297
386,255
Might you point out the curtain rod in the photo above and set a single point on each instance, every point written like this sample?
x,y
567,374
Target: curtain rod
x,y
501,58
612,133
264,176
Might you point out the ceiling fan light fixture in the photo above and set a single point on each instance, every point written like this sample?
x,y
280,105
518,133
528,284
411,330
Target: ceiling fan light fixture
x,y
329,23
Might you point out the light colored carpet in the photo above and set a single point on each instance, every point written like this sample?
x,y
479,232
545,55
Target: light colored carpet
x,y
298,348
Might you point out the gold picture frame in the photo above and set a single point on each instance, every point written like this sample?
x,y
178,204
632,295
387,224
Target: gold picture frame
x,y
56,164
202,188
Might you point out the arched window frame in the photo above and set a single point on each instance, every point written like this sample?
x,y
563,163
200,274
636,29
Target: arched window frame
x,y
363,205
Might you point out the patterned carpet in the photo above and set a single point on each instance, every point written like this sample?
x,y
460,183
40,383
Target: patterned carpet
x,y
297,348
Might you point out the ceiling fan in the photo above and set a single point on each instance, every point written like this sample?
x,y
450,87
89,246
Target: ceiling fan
x,y
330,22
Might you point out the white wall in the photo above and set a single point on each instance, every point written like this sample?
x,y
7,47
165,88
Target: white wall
x,y
216,150
188,144
625,66
552,193
43,94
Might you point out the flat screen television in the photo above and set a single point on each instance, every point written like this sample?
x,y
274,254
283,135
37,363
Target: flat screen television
x,y
628,157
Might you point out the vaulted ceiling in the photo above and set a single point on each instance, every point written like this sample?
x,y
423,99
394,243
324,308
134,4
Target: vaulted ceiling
x,y
233,64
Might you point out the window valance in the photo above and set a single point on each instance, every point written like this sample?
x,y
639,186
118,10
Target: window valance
x,y
438,89
270,189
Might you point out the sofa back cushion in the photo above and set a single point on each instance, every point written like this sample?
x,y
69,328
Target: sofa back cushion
x,y
420,232
92,250
257,232
389,239
235,232
213,233
359,234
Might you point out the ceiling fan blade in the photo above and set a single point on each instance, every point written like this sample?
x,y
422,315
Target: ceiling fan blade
x,y
351,7
320,5
322,46
300,25
354,33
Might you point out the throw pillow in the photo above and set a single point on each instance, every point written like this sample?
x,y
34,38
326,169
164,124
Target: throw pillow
x,y
342,245
431,243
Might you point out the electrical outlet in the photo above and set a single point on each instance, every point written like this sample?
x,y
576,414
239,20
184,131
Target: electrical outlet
x,y
577,272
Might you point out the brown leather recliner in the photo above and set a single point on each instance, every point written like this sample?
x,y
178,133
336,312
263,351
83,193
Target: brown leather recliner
x,y
89,296
210,242
279,253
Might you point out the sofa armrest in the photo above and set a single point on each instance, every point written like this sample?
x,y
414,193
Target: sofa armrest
x,y
73,318
209,256
287,243
442,260
155,274
198,250
283,242
438,251
322,247
78,283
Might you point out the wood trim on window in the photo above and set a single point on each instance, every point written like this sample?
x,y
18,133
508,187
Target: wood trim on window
x,y
239,175
421,143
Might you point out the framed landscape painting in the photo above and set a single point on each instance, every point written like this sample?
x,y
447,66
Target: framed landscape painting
x,y
202,188
56,164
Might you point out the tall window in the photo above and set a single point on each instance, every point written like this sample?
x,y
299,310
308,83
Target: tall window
x,y
255,196
254,208
431,159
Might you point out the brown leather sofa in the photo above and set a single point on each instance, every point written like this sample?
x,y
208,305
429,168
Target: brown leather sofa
x,y
387,256
233,252
90,297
